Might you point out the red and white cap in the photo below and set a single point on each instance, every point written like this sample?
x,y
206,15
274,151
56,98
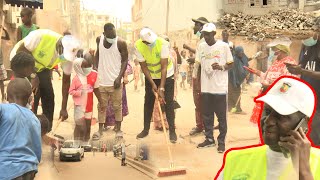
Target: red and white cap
x,y
289,95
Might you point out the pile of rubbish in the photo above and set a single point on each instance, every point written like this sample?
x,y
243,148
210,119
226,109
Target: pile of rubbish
x,y
289,22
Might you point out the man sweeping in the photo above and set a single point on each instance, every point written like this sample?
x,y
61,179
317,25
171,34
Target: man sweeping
x,y
49,49
153,55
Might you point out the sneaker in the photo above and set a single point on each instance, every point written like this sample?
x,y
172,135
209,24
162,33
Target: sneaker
x,y
206,143
195,131
142,134
173,137
221,149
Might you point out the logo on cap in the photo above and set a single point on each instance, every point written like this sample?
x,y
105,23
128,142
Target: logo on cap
x,y
285,87
149,34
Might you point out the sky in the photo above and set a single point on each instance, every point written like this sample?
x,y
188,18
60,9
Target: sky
x,y
117,8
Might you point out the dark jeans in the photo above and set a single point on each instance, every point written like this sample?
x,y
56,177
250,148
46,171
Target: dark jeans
x,y
149,100
214,104
27,176
46,94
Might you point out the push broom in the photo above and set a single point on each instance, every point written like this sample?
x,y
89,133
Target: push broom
x,y
172,170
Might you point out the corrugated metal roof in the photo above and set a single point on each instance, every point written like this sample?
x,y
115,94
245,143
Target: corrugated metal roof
x,y
29,3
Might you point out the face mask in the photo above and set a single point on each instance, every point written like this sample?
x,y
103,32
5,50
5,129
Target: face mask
x,y
111,41
271,55
87,70
198,34
310,42
62,57
152,44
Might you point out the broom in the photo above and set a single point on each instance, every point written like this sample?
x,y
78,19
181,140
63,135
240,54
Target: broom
x,y
51,133
172,170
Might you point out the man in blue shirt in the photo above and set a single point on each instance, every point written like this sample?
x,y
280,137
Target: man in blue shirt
x,y
20,132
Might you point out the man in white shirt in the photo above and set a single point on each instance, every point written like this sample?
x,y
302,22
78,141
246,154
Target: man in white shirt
x,y
111,61
215,58
153,55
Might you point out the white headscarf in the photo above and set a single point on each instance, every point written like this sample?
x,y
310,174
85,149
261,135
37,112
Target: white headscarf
x,y
79,71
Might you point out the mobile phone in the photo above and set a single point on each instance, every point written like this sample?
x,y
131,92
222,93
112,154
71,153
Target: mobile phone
x,y
304,125
249,69
289,64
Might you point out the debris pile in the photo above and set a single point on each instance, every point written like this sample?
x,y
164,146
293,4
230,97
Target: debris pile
x,y
288,22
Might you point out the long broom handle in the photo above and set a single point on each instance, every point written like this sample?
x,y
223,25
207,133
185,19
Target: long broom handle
x,y
164,128
59,121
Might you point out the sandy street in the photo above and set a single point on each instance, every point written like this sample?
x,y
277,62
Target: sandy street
x,y
200,163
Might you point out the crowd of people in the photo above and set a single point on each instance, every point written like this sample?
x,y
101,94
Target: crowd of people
x,y
215,70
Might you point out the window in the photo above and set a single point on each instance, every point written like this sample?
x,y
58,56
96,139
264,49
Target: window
x,y
265,2
260,3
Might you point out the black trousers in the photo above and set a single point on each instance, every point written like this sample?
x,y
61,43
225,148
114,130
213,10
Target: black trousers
x,y
149,100
46,94
214,104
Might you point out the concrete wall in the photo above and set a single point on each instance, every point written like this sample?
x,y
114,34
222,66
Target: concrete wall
x,y
235,6
153,13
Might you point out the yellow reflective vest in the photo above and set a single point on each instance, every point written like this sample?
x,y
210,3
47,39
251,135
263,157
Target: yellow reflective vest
x,y
153,57
251,164
45,52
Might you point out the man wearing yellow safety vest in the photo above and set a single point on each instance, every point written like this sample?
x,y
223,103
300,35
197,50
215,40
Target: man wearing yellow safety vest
x,y
49,49
153,54
288,153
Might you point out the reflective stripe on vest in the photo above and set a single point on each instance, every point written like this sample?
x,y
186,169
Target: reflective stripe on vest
x,y
45,52
251,164
153,57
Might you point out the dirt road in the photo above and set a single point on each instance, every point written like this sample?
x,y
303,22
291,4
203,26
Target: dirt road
x,y
200,163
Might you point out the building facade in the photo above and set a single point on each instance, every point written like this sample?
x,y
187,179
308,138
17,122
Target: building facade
x,y
261,7
153,14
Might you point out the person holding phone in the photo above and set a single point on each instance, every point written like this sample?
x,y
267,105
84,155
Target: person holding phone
x,y
309,69
281,47
287,152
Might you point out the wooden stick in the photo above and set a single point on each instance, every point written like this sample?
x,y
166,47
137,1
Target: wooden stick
x,y
58,123
164,130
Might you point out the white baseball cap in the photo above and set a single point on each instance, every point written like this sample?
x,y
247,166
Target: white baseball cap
x,y
148,35
289,95
70,47
209,27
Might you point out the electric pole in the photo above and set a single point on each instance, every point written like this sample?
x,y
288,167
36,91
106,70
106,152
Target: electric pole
x,y
167,20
